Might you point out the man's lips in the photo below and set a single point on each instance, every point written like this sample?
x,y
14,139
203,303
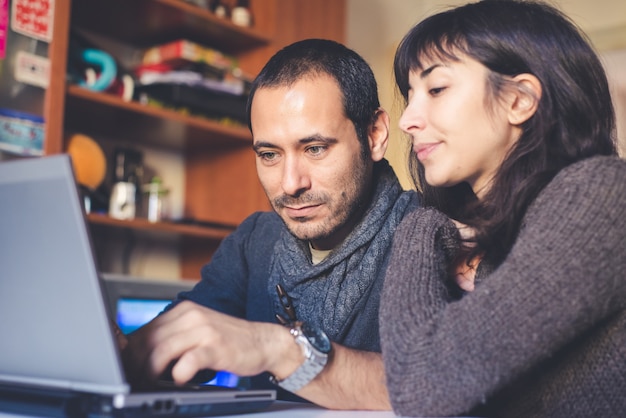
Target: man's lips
x,y
424,150
300,211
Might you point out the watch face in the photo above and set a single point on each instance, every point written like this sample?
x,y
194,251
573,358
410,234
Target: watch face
x,y
317,338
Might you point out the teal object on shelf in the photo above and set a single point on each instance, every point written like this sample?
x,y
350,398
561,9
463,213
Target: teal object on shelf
x,y
107,65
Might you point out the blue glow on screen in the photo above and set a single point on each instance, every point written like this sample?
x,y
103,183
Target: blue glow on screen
x,y
132,313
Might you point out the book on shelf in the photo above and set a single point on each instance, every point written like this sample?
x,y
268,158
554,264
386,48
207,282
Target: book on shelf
x,y
184,51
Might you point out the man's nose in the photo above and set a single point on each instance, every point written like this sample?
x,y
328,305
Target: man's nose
x,y
296,177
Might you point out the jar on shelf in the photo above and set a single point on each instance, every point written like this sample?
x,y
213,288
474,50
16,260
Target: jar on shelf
x,y
154,199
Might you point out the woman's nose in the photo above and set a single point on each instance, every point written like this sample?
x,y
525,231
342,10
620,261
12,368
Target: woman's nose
x,y
412,118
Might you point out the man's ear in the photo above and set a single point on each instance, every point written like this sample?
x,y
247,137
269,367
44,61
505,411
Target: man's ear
x,y
526,95
378,135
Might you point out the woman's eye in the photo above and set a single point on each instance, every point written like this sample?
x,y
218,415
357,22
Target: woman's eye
x,y
436,91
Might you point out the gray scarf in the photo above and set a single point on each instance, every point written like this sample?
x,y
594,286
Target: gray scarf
x,y
326,294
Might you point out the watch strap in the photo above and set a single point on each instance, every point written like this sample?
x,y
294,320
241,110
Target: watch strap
x,y
314,363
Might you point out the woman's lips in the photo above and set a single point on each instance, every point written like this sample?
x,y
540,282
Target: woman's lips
x,y
424,150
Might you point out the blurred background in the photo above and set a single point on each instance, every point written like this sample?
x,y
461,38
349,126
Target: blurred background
x,y
375,27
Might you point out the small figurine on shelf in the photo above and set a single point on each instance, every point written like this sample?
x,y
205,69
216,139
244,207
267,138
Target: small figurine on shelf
x,y
219,8
241,15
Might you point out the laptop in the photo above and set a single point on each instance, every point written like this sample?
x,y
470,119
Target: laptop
x,y
58,353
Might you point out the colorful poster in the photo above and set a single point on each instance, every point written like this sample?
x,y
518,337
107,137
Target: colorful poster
x,y
33,18
4,25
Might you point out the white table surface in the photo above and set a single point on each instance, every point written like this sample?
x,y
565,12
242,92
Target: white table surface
x,y
282,409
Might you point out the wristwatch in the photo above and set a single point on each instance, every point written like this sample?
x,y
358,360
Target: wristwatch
x,y
316,347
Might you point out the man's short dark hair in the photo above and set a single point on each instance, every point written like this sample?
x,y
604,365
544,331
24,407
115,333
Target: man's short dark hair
x,y
314,57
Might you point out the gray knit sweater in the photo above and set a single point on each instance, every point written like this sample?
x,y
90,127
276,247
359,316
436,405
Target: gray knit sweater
x,y
543,335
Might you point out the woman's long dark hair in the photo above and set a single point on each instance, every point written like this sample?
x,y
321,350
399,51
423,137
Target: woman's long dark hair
x,y
574,119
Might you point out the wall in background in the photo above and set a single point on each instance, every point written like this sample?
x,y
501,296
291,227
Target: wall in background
x,y
375,27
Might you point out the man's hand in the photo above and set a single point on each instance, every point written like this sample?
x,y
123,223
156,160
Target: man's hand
x,y
465,270
465,273
191,338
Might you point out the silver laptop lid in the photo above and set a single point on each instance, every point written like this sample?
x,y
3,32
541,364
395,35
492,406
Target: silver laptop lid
x,y
54,327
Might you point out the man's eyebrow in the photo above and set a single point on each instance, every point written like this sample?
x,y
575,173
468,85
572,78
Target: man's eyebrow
x,y
303,141
261,144
318,138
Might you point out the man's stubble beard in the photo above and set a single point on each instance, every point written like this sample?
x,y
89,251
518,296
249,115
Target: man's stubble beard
x,y
345,211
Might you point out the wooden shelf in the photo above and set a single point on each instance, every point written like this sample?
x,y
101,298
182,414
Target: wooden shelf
x,y
220,179
138,123
186,230
144,23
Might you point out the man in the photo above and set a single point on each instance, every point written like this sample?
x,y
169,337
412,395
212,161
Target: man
x,y
320,137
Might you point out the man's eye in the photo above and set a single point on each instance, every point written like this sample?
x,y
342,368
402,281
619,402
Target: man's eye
x,y
267,156
316,150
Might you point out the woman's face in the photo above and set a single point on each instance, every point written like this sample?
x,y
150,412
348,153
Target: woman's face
x,y
459,133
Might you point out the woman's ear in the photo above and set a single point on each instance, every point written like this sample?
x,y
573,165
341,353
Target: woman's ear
x,y
378,135
526,95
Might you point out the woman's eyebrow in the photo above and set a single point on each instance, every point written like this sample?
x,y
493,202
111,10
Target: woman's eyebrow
x,y
429,70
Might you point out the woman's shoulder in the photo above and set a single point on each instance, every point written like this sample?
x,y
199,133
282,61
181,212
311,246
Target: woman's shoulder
x,y
611,168
594,175
585,188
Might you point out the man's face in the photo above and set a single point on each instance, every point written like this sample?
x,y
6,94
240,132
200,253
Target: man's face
x,y
309,159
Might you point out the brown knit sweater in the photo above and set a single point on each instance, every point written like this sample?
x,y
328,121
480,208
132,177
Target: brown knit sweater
x,y
543,335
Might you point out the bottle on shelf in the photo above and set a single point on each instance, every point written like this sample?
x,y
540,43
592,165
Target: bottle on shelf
x,y
128,172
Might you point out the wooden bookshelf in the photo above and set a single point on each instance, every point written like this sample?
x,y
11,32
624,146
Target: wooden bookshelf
x,y
221,185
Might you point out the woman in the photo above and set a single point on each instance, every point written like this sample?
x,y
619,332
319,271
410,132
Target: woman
x,y
512,128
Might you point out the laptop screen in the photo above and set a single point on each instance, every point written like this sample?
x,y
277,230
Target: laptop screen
x,y
136,301
132,313
50,286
